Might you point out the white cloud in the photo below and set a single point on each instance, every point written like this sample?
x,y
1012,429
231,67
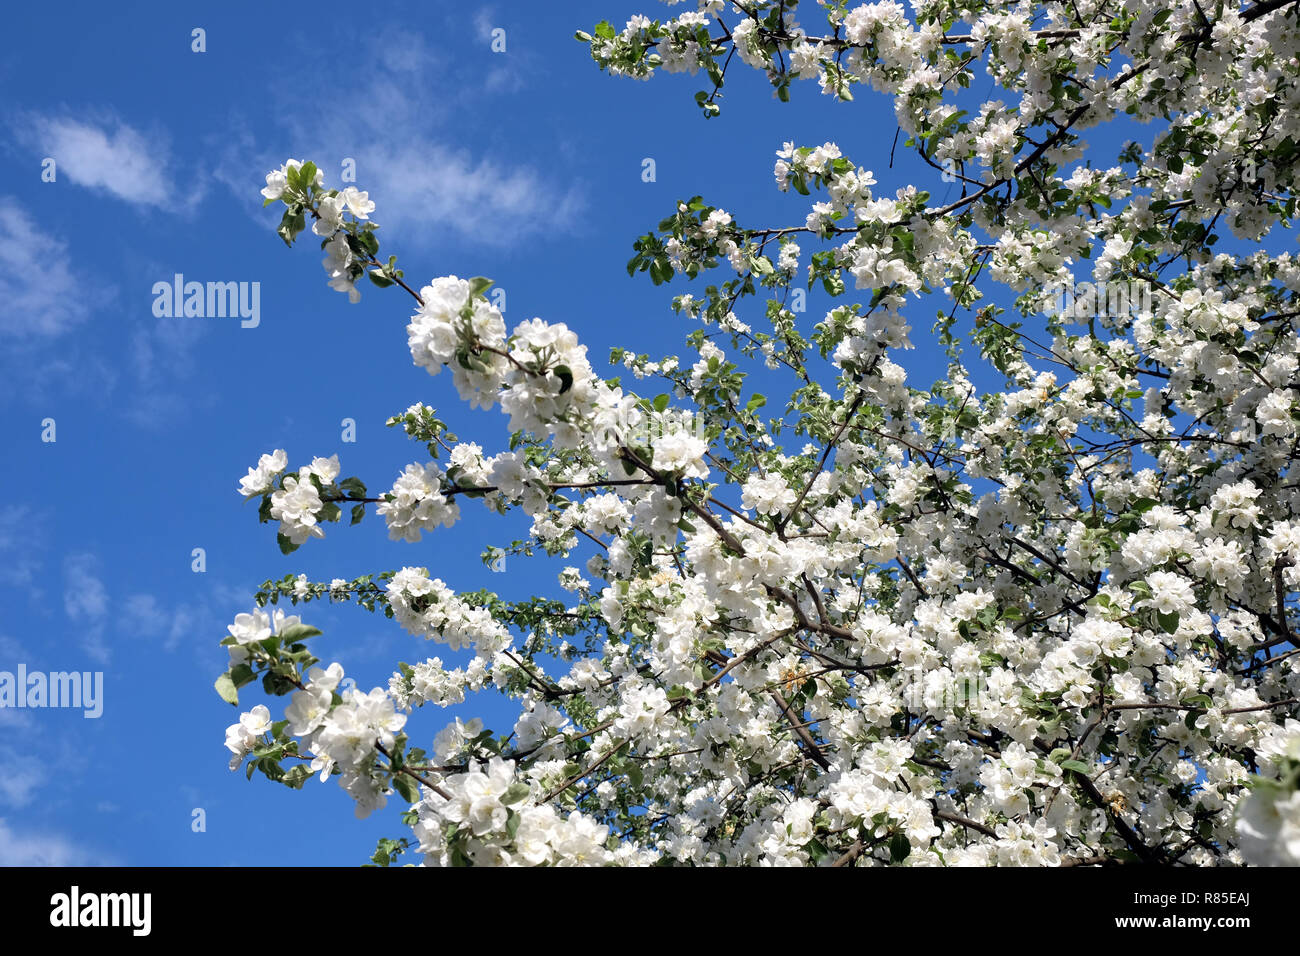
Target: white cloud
x,y
18,567
422,102
84,595
106,155
203,608
143,616
20,776
410,159
13,720
37,375
20,534
16,526
169,343
44,301
85,600
42,849
485,22
430,186
41,296
11,650
162,357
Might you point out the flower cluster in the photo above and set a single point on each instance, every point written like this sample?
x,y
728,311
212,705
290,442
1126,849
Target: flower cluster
x,y
427,608
1268,819
417,503
300,501
350,245
487,818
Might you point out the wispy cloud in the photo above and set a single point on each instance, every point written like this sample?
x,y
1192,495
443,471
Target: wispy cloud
x,y
485,22
429,184
203,609
143,616
12,650
18,562
103,154
85,601
162,356
42,849
20,777
408,144
45,300
85,596
41,296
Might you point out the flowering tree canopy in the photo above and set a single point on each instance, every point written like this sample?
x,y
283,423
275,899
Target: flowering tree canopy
x,y
1052,623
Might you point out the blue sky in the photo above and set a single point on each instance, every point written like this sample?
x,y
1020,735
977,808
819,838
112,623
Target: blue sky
x,y
524,166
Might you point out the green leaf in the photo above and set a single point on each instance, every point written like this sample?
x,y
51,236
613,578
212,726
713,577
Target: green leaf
x,y
817,850
405,786
660,402
1168,622
226,689
900,847
515,793
298,632
292,223
565,375
1078,766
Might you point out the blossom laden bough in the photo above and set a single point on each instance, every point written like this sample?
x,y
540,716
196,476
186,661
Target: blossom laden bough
x,y
1050,623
